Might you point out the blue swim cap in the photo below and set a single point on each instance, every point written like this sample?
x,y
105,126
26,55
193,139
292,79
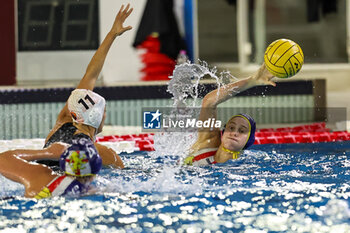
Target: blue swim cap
x,y
81,159
252,127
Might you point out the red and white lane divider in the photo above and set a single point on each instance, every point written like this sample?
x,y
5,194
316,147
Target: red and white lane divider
x,y
311,133
128,143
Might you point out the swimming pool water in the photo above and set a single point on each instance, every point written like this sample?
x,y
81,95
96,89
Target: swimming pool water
x,y
271,188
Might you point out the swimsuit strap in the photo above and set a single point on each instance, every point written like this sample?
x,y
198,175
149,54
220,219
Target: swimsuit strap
x,y
58,186
235,154
202,157
47,191
64,134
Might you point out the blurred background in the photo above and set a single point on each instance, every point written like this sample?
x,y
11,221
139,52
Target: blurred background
x,y
55,39
48,43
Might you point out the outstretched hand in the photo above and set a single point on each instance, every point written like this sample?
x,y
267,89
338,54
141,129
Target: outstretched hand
x,y
118,28
263,77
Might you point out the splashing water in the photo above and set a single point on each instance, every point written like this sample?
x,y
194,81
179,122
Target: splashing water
x,y
271,188
185,88
185,81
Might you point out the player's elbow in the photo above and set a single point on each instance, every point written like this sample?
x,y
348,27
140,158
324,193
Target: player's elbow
x,y
118,163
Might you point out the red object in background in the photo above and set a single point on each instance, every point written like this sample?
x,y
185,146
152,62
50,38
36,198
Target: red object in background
x,y
155,70
7,42
311,133
158,66
316,133
151,44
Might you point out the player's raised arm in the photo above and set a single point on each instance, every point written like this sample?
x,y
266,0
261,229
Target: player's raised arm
x,y
214,98
95,66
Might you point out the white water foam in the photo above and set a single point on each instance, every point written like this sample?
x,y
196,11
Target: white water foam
x,y
10,188
184,86
185,80
166,181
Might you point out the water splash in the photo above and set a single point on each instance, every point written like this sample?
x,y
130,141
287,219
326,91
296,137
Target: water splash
x,y
258,192
185,88
185,81
336,211
10,188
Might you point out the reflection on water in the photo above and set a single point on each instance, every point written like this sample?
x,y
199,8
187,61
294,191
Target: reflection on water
x,y
268,189
278,188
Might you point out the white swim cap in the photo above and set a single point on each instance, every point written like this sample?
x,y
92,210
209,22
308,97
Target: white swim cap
x,y
86,107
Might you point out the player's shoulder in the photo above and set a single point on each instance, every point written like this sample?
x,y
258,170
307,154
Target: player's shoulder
x,y
207,139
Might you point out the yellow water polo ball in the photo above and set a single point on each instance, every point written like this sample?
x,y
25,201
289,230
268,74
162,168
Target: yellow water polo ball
x,y
284,58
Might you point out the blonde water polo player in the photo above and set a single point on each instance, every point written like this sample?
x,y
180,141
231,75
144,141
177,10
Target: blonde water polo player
x,y
84,113
218,146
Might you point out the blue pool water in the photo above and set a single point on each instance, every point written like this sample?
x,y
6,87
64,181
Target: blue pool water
x,y
272,188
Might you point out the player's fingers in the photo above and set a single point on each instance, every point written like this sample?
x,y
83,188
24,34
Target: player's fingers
x,y
272,83
126,8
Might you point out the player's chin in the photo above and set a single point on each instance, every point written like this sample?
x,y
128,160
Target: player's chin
x,y
234,146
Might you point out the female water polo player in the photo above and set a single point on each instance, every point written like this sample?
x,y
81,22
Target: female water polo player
x,y
239,132
84,113
80,162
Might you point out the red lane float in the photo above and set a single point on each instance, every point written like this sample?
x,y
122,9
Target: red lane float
x,y
143,142
311,133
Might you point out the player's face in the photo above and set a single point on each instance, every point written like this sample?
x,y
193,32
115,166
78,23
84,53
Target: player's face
x,y
236,134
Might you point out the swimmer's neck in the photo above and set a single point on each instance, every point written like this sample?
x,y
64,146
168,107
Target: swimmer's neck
x,y
223,154
83,179
232,152
85,129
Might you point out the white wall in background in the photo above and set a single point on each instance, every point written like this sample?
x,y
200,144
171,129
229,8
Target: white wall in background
x,y
122,63
46,66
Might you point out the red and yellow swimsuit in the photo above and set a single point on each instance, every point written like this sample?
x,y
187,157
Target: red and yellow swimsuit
x,y
205,157
62,185
202,157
